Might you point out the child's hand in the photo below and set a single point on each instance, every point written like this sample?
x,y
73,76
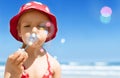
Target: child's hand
x,y
15,63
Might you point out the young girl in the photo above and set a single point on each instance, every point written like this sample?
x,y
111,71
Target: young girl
x,y
33,26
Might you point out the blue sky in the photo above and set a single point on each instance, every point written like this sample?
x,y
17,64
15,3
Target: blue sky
x,y
87,39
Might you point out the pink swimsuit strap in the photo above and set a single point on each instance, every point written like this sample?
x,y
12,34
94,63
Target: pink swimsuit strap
x,y
48,73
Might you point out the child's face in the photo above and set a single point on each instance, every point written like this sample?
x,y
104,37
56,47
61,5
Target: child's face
x,y
30,23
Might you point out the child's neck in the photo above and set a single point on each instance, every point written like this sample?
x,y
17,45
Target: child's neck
x,y
32,56
34,53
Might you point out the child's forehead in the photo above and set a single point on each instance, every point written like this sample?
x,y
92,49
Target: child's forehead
x,y
36,13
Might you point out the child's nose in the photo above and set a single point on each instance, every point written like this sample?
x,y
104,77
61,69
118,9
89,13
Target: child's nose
x,y
34,29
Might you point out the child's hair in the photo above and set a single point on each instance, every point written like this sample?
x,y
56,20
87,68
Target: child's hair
x,y
52,30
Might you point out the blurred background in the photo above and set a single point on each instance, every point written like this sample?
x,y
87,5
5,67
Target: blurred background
x,y
88,32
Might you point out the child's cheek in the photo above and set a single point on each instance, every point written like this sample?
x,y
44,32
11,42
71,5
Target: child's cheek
x,y
42,34
26,37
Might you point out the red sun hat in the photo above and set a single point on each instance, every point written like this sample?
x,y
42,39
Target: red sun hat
x,y
39,7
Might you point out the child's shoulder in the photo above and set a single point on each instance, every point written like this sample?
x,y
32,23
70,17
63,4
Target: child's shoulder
x,y
55,65
53,61
51,58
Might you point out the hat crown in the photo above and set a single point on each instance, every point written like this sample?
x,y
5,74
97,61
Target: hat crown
x,y
34,5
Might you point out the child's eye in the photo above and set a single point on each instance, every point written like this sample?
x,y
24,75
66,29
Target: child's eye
x,y
27,26
42,27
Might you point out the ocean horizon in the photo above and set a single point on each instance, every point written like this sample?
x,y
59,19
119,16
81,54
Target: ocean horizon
x,y
74,70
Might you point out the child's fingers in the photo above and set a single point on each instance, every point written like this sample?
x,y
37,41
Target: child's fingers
x,y
13,57
23,57
18,57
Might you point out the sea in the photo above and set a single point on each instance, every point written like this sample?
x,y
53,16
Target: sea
x,y
92,70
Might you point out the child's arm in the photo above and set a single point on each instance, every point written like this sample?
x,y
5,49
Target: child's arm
x,y
14,68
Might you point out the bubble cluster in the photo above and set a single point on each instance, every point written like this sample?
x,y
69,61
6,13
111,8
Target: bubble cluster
x,y
106,13
33,37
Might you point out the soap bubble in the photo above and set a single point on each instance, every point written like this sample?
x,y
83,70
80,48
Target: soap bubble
x,y
106,11
62,40
105,20
33,37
